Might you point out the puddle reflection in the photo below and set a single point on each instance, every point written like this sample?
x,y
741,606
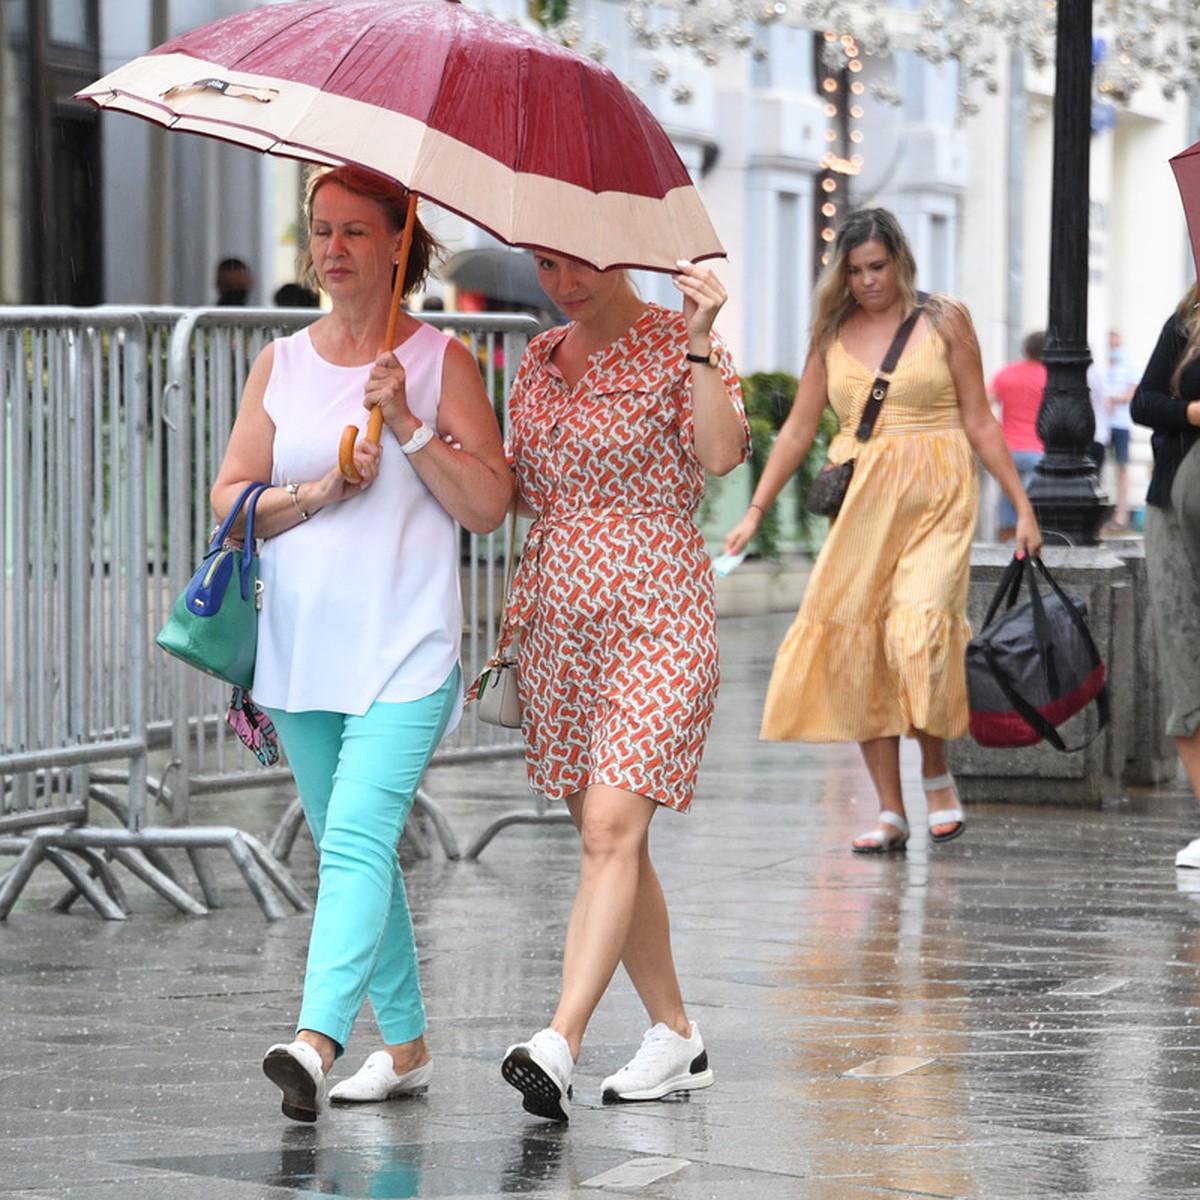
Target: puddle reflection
x,y
537,1160
377,1173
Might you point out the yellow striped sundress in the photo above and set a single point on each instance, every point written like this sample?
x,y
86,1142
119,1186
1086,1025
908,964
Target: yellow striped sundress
x,y
877,648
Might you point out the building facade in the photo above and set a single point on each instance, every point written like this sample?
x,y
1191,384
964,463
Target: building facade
x,y
104,208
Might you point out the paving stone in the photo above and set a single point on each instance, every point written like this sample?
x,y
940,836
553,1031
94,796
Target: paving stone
x,y
1043,970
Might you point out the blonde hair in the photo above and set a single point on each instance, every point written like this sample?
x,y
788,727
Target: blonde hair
x,y
832,301
392,198
1188,315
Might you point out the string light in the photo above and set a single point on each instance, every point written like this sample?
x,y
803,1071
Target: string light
x,y
1146,42
840,61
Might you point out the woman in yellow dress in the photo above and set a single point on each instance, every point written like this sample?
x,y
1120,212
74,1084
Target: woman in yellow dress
x,y
877,649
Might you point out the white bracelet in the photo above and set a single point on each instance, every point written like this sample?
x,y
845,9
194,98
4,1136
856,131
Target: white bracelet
x,y
421,438
293,490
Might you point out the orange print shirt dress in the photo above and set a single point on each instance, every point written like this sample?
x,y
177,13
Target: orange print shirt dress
x,y
613,600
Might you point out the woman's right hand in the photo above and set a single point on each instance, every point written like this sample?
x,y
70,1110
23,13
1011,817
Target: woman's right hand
x,y
739,536
334,487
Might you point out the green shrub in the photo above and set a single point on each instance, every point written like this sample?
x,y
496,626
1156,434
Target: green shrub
x,y
768,398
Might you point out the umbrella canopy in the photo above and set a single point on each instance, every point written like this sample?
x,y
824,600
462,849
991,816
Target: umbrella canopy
x,y
538,145
1186,166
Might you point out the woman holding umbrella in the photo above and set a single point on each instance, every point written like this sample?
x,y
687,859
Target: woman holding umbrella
x,y
614,418
361,617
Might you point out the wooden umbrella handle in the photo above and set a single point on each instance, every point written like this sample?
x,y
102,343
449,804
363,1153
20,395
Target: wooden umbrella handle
x,y
350,437
375,419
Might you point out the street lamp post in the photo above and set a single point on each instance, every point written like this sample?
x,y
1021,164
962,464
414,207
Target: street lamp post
x,y
1065,490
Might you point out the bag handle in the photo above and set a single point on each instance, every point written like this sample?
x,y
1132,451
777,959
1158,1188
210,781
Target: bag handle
x,y
890,359
1010,583
249,496
1085,633
1027,569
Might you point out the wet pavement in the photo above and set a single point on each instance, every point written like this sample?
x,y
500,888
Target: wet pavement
x,y
1010,1015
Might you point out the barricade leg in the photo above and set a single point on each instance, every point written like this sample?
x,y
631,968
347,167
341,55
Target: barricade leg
x,y
13,883
135,862
520,817
430,809
255,879
85,884
286,831
262,873
281,878
204,877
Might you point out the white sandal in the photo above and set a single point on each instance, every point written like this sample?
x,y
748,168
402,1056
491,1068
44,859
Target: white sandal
x,y
875,842
944,816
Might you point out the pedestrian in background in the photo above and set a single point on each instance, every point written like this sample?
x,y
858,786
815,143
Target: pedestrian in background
x,y
877,648
233,283
1119,384
1101,431
296,295
1017,390
614,419
1168,401
358,637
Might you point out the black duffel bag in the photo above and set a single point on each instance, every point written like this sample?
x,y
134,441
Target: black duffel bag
x,y
1034,666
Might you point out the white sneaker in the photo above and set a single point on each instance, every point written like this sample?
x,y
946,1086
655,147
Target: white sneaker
x,y
296,1070
377,1080
540,1069
1189,856
665,1063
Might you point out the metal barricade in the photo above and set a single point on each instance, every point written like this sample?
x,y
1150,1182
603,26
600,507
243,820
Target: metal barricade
x,y
115,423
210,354
71,525
79,570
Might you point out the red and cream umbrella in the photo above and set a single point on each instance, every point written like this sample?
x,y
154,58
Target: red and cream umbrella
x,y
538,145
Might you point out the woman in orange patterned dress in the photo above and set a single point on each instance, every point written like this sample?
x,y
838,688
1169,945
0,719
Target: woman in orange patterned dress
x,y
614,418
877,648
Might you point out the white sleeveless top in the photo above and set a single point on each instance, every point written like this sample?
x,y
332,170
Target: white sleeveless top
x,y
360,602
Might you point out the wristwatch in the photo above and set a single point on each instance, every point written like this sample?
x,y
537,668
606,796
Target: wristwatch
x,y
421,438
711,359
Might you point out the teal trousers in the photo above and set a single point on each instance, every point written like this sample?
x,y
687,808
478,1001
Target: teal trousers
x,y
357,777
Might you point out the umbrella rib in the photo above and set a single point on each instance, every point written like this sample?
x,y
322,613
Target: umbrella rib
x,y
181,44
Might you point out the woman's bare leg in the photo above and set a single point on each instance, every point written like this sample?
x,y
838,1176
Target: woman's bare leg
x,y
647,957
882,759
613,826
933,764
1189,754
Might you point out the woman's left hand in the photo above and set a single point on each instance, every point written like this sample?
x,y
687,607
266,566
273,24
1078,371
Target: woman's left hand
x,y
703,297
1028,536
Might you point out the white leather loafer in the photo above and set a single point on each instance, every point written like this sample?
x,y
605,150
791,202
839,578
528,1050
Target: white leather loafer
x,y
377,1080
295,1069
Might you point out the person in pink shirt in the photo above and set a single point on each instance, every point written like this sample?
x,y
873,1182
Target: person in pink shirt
x,y
1017,390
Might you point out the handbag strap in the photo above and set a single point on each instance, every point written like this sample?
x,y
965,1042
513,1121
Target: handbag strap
x,y
510,570
890,359
249,497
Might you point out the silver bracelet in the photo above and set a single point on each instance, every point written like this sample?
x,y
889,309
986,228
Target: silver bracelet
x,y
293,490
